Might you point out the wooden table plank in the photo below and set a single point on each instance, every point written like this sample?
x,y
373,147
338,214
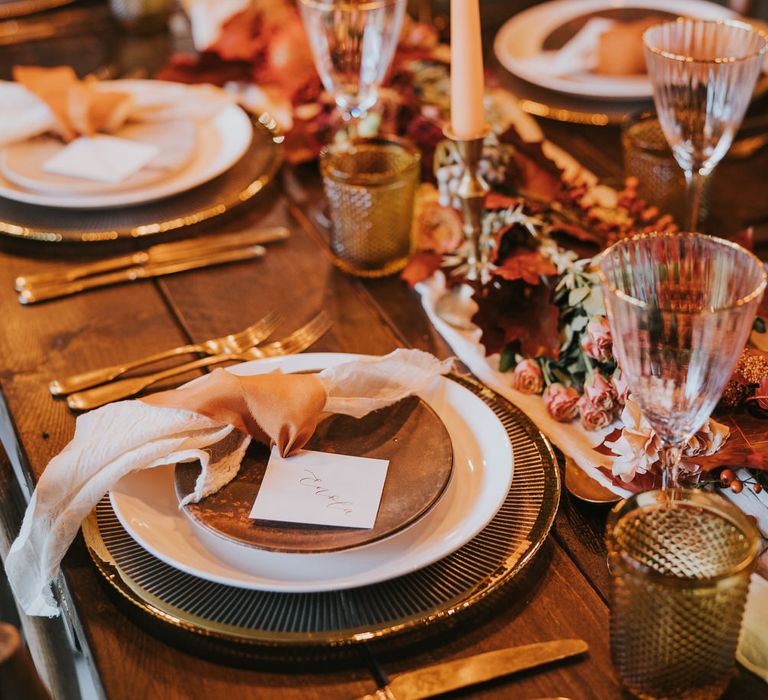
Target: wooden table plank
x,y
551,601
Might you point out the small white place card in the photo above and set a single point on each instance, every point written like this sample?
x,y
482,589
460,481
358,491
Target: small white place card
x,y
101,158
321,488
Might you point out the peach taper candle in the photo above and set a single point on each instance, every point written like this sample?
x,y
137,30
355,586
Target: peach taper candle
x,y
467,117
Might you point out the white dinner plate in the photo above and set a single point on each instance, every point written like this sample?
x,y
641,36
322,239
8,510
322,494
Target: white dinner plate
x,y
23,163
222,137
147,506
522,37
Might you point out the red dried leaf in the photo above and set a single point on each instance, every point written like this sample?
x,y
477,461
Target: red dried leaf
x,y
580,233
534,174
602,448
519,313
496,200
530,267
421,266
203,68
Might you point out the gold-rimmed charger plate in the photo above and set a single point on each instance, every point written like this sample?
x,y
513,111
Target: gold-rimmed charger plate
x,y
217,612
409,435
243,181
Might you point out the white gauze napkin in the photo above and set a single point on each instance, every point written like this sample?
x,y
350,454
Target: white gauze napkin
x,y
127,436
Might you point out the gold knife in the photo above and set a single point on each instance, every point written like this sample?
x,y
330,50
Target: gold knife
x,y
452,675
31,295
161,253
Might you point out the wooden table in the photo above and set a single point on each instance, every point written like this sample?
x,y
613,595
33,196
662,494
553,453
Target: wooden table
x,y
563,594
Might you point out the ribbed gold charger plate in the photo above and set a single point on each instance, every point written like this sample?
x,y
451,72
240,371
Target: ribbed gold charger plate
x,y
243,181
407,603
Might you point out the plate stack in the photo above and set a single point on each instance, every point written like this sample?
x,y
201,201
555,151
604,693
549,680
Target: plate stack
x,y
202,155
470,494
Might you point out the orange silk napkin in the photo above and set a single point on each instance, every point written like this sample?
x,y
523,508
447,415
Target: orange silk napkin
x,y
77,106
277,408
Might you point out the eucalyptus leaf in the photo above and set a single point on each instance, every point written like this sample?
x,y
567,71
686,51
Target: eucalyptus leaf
x,y
579,323
578,295
593,303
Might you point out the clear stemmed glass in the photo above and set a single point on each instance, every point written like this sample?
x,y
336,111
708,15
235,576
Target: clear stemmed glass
x,y
353,42
703,74
680,307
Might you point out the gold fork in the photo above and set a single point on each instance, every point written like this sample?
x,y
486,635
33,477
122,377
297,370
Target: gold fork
x,y
232,343
296,342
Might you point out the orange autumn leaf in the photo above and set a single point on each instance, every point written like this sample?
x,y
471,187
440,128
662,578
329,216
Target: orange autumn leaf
x,y
421,265
529,267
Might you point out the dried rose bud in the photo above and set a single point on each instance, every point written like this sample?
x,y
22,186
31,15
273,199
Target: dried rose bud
x,y
600,392
592,417
562,402
527,377
597,342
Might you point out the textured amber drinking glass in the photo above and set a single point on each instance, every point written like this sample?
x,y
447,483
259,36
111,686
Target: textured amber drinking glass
x,y
680,572
370,185
648,157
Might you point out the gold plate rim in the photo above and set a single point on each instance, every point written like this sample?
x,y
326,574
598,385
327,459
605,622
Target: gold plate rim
x,y
149,604
228,202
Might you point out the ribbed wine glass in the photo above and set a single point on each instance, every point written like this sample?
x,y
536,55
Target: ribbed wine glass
x,y
353,43
680,307
703,74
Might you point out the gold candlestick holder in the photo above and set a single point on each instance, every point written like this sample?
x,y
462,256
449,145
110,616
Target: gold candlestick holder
x,y
456,306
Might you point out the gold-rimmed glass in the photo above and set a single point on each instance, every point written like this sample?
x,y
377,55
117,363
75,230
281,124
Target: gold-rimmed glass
x,y
680,308
703,73
353,43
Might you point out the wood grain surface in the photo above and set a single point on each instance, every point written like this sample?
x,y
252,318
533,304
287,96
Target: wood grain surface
x,y
562,594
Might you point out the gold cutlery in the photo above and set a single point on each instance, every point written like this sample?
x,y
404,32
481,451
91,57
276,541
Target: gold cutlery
x,y
32,295
452,675
296,342
160,253
232,343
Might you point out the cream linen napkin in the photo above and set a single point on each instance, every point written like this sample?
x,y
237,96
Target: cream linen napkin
x,y
24,115
211,420
578,443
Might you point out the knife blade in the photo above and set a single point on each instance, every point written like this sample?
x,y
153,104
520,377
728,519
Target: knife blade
x,y
452,675
31,295
160,253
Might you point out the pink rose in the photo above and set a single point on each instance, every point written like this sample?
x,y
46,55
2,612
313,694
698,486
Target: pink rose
x,y
597,341
527,377
592,417
562,402
600,392
621,386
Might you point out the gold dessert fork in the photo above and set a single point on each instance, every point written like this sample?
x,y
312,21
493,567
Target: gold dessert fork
x,y
232,343
296,342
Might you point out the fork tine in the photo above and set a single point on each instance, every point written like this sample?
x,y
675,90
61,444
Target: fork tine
x,y
257,332
301,338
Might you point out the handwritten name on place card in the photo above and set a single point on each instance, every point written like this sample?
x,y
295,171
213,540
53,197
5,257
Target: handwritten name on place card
x,y
320,488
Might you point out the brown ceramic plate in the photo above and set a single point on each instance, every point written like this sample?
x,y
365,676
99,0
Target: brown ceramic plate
x,y
409,434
